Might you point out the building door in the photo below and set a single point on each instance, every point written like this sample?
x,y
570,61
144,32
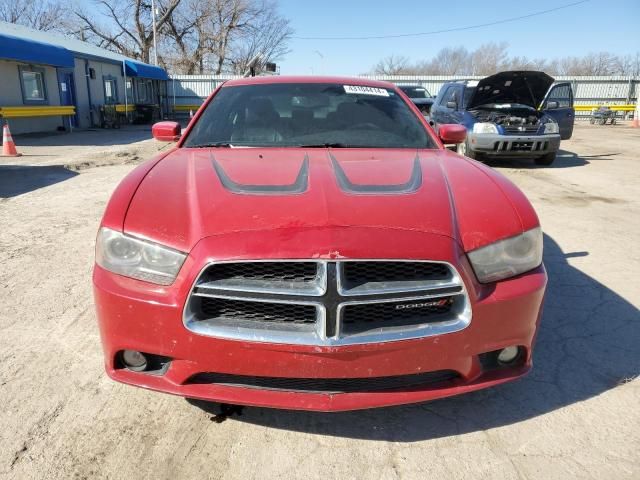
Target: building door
x,y
68,95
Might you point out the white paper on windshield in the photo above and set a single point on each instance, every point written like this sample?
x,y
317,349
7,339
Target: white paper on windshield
x,y
363,90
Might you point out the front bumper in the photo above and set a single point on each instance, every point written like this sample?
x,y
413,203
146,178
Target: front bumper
x,y
135,315
493,144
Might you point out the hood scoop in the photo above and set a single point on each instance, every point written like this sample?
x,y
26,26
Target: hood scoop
x,y
299,185
410,186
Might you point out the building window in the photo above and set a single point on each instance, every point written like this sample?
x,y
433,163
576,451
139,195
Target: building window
x,y
110,92
32,82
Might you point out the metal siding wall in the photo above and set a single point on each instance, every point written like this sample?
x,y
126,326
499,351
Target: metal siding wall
x,y
193,89
614,90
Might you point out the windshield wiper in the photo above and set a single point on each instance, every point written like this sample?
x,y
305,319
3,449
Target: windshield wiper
x,y
213,145
325,145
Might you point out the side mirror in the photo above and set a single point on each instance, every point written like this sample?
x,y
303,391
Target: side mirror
x,y
166,131
453,105
452,133
552,105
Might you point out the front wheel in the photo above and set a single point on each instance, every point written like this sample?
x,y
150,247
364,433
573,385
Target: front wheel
x,y
547,160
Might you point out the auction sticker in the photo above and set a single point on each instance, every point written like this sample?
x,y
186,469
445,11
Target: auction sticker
x,y
361,89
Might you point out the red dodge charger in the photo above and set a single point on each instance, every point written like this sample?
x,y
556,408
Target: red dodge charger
x,y
310,244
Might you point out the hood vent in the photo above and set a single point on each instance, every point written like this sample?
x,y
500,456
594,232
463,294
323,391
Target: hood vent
x,y
410,186
300,184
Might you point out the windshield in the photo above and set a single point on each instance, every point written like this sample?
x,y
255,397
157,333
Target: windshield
x,y
415,92
308,115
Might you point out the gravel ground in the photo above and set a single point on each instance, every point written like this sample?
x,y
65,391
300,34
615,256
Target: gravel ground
x,y
575,416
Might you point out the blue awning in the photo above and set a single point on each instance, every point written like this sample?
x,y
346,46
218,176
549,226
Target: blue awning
x,y
30,51
142,70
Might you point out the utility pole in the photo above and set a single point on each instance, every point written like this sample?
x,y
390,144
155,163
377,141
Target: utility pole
x,y
155,44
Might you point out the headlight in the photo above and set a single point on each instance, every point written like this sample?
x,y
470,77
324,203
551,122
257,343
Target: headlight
x,y
484,127
551,127
137,258
508,257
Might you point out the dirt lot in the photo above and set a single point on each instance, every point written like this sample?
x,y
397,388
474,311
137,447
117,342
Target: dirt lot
x,y
575,416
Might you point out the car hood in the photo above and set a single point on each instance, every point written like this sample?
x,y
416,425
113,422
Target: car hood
x,y
524,87
197,193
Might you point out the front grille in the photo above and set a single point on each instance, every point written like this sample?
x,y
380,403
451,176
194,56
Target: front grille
x,y
327,385
264,271
358,273
327,302
509,146
363,317
521,129
226,310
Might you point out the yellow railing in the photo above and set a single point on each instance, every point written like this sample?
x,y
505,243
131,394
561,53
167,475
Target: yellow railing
x,y
37,111
186,108
122,108
615,108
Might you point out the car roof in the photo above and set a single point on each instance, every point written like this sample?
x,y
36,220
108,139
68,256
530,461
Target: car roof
x,y
272,79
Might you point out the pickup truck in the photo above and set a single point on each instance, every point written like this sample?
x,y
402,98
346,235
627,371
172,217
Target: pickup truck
x,y
309,243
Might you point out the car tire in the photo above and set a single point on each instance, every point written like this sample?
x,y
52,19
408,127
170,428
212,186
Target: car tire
x,y
547,160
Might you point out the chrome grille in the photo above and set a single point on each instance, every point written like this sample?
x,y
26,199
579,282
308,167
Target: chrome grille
x,y
521,129
327,302
359,273
359,318
240,310
294,272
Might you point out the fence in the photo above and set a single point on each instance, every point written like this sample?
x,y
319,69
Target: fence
x,y
187,92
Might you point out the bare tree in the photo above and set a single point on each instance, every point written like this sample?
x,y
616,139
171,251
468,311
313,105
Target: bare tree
x,y
186,37
267,37
600,63
130,31
392,65
489,58
40,15
452,61
629,64
223,35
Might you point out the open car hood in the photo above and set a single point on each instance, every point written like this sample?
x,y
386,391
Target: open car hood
x,y
521,86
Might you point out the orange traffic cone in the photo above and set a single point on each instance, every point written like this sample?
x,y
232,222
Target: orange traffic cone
x,y
636,117
8,147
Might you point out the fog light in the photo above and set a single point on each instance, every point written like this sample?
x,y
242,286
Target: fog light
x,y
508,355
134,360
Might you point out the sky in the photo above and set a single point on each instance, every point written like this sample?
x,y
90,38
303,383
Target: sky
x,y
597,25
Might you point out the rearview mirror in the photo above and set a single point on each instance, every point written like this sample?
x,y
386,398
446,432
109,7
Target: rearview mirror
x,y
452,133
551,105
453,105
166,131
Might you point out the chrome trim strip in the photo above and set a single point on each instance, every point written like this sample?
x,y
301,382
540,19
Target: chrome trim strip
x,y
390,334
455,281
317,288
256,333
